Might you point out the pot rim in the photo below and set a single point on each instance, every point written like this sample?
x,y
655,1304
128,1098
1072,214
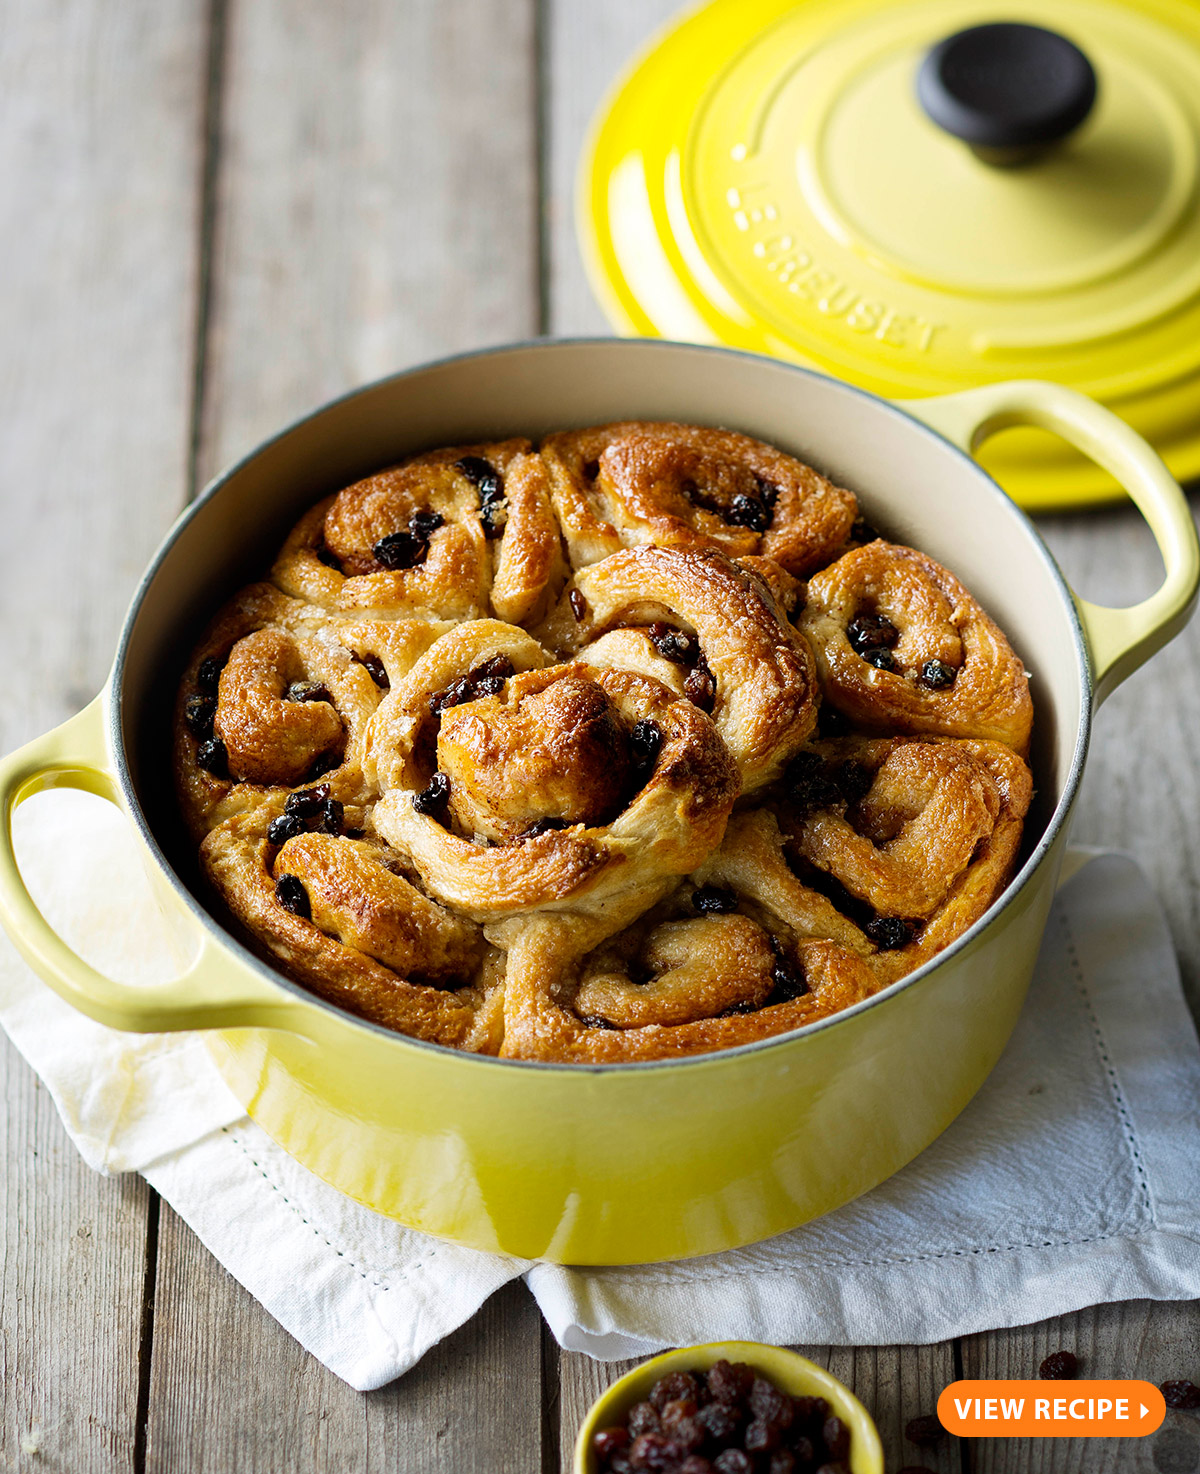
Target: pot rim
x,y
226,939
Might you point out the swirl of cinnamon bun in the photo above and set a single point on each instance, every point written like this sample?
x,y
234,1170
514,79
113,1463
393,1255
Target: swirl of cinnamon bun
x,y
680,486
453,534
903,647
764,682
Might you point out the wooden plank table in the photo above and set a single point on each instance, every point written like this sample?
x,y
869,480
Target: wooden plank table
x,y
216,214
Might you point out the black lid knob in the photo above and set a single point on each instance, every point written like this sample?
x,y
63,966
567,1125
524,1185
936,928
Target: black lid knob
x,y
1009,90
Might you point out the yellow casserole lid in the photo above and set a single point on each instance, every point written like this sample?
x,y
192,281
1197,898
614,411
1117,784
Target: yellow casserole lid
x,y
767,177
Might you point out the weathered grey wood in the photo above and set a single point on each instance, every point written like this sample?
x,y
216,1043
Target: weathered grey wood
x,y
70,1292
232,1391
1141,1338
375,204
581,1381
896,1384
99,113
376,200
99,117
1142,788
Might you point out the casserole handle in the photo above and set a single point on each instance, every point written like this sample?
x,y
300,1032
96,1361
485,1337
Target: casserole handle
x,y
1119,639
75,756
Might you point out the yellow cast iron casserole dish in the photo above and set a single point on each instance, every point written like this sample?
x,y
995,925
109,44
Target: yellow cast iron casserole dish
x,y
638,1162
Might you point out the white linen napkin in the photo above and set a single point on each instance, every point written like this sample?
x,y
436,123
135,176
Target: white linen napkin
x,y
1072,1178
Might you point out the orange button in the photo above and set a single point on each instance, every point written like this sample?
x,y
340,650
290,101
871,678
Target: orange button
x,y
1037,1409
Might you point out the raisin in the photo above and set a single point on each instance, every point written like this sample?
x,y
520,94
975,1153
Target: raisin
x,y
609,1440
787,983
209,673
768,492
937,675
432,801
454,694
714,900
488,483
655,1452
487,686
674,645
331,817
493,519
748,511
783,1461
421,524
854,780
694,1464
594,1021
212,756
643,1418
925,1431
760,1437
871,632
399,550
730,1382
284,827
644,741
890,932
476,469
700,688
354,833
291,895
198,713
881,659
807,783
307,802
499,667
579,605
541,826
1059,1366
733,1461
806,1454
686,1432
837,1437
375,668
1184,1395
671,1388
768,1403
678,1410
862,531
719,1421
813,1410
306,691
831,722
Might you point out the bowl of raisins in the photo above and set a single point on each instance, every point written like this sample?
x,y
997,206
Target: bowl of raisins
x,y
734,1407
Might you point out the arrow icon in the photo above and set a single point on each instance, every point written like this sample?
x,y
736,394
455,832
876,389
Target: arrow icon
x,y
1143,1410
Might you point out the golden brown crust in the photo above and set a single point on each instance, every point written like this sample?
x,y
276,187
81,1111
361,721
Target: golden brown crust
x,y
936,620
681,486
574,806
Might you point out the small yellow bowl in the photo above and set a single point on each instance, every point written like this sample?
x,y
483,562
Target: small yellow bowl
x,y
789,1371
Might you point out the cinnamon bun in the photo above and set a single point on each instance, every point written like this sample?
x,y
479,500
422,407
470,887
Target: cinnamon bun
x,y
550,752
